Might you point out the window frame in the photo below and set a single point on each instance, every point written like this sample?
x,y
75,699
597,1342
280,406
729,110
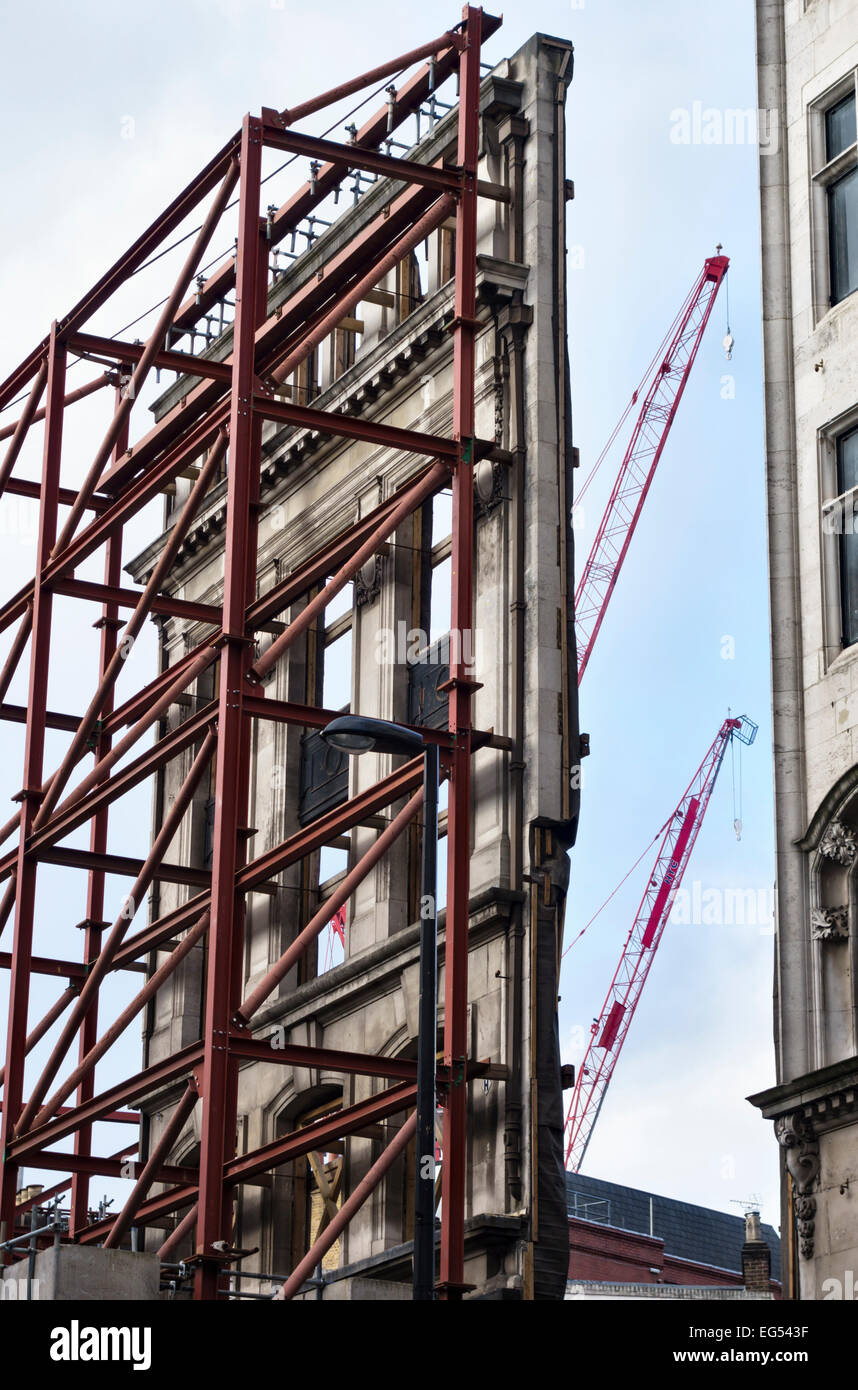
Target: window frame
x,y
833,610
824,175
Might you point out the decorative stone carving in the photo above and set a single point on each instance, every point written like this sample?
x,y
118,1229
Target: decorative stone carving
x,y
839,843
488,485
499,403
805,1213
829,923
368,580
795,1134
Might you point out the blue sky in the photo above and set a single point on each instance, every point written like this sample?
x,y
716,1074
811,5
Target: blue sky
x,y
114,108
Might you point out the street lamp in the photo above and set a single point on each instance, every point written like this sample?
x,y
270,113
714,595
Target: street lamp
x,y
355,735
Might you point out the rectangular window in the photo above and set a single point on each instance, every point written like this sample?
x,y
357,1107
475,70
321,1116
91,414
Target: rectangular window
x,y
834,161
840,127
843,235
847,479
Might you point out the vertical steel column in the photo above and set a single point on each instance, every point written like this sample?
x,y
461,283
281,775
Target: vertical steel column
x,y
109,622
427,1039
226,933
34,751
461,681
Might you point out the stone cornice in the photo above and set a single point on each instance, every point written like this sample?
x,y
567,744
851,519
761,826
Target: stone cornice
x,y
826,1098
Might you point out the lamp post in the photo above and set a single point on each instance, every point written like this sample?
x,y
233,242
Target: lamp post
x,y
355,735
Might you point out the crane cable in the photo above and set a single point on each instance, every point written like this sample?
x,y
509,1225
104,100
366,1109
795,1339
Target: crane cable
x,y
601,909
222,254
737,787
641,386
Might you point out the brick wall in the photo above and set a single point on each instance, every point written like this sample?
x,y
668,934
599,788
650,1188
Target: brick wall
x,y
616,1256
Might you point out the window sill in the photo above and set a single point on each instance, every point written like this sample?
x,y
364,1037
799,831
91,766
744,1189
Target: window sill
x,y
844,658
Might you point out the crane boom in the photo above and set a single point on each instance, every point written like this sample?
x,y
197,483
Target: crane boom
x,y
640,460
609,1031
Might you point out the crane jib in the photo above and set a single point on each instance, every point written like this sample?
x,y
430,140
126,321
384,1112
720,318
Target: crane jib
x,y
673,869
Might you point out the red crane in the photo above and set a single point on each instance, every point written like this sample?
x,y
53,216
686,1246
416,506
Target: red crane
x,y
667,377
609,1031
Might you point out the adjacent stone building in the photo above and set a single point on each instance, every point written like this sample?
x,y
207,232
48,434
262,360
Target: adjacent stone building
x,y
808,66
383,651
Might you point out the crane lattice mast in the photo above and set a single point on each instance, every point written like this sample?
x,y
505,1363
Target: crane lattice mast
x,y
663,394
609,1031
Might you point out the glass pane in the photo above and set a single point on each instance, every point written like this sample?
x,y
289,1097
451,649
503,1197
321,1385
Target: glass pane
x,y
849,586
840,127
843,235
847,461
440,602
442,516
331,949
342,603
337,679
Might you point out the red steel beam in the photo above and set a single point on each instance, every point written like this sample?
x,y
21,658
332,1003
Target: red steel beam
x,y
54,1012
305,304
410,500
258,871
447,40
79,1211
386,119
64,969
125,1092
154,1169
85,1067
93,1166
25,487
184,448
25,876
129,598
352,157
315,1137
351,297
21,1208
453,1172
121,647
136,732
126,265
16,651
88,389
152,348
354,427
321,564
19,430
63,822
90,344
341,894
100,966
17,714
260,345
249,1049
352,1204
219,1082
184,1228
123,866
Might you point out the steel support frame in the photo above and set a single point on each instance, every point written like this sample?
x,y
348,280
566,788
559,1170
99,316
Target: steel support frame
x,y
231,396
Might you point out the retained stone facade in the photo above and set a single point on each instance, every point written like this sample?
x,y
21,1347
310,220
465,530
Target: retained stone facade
x,y
807,64
396,367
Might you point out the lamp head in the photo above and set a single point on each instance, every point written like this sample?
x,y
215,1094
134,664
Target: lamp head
x,y
355,734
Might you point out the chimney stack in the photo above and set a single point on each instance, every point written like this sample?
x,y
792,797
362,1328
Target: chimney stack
x,y
756,1256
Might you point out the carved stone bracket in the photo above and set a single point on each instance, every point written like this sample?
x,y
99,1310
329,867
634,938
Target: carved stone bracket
x,y
795,1135
488,485
829,923
368,581
839,843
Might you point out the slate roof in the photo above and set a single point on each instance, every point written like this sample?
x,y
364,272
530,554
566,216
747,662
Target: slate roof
x,y
688,1231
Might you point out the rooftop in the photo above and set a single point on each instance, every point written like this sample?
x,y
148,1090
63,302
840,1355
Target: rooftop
x,y
689,1232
